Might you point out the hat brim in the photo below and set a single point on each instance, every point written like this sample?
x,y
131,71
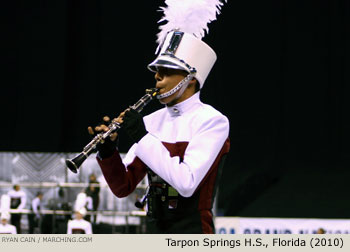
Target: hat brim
x,y
168,62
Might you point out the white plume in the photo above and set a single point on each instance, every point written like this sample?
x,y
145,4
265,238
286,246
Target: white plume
x,y
189,16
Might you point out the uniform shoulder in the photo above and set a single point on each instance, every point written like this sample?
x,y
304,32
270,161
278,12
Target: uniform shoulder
x,y
156,114
11,192
208,112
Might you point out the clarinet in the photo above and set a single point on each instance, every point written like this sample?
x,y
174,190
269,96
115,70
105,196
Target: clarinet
x,y
74,163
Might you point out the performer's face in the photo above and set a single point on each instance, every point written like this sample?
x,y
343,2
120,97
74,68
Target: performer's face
x,y
78,216
167,79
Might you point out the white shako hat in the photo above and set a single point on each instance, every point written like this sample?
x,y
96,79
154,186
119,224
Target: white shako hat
x,y
80,201
5,215
186,52
180,44
82,211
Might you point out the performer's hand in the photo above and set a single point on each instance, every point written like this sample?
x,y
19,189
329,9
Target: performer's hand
x,y
103,127
133,124
108,147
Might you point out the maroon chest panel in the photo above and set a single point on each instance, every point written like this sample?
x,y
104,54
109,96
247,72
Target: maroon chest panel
x,y
176,149
78,231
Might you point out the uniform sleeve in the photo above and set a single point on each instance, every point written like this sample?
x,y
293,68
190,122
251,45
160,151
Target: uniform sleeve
x,y
35,204
200,154
122,177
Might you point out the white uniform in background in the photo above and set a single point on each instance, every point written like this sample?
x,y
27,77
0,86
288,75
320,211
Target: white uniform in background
x,y
36,206
83,201
79,227
18,199
6,228
5,203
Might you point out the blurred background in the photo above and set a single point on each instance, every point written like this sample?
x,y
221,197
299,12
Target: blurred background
x,y
282,78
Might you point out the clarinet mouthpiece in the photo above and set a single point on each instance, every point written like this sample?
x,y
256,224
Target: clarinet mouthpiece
x,y
152,91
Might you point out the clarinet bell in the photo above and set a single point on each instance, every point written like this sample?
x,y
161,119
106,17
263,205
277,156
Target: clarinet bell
x,y
74,163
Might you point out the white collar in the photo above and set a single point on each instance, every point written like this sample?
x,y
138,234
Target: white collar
x,y
184,106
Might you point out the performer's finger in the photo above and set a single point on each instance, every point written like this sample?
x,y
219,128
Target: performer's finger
x,y
114,136
106,119
91,131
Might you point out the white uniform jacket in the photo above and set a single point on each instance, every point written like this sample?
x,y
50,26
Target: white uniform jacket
x,y
18,198
181,146
36,206
79,227
7,229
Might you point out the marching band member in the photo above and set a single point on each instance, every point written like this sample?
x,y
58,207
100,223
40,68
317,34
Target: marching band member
x,y
5,227
18,201
5,203
93,191
35,217
83,201
79,225
181,146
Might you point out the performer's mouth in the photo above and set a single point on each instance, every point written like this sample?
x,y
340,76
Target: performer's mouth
x,y
160,90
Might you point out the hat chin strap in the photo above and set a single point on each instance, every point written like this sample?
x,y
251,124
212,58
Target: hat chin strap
x,y
182,85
